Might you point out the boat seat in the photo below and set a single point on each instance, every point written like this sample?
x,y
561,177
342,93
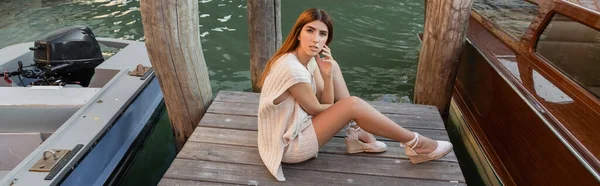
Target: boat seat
x,y
577,53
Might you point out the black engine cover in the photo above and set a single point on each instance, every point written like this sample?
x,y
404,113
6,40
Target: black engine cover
x,y
71,53
71,44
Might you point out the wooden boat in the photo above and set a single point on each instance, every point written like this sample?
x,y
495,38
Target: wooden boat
x,y
527,94
60,128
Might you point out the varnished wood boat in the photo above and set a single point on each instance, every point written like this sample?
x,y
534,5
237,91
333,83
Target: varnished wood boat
x,y
528,91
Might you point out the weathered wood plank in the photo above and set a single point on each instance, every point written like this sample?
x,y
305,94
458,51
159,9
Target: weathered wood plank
x,y
435,170
250,97
220,153
237,96
335,145
180,182
231,108
251,109
258,175
434,134
251,123
399,108
405,108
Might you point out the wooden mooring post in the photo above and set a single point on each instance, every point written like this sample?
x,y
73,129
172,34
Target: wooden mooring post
x,y
446,23
264,34
173,43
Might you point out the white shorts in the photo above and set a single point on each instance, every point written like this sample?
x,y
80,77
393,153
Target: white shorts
x,y
303,147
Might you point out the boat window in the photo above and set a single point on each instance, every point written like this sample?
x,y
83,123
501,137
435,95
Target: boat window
x,y
574,49
511,16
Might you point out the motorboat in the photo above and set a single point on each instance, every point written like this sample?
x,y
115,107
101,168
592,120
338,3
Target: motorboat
x,y
74,108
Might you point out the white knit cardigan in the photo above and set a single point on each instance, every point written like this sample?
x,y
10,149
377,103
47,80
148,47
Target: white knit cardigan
x,y
281,123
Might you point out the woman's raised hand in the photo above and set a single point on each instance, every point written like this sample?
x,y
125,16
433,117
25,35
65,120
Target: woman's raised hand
x,y
326,63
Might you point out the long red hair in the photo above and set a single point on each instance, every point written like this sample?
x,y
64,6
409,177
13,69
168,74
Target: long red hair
x,y
291,42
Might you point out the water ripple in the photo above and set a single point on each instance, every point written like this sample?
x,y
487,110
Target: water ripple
x,y
106,15
225,19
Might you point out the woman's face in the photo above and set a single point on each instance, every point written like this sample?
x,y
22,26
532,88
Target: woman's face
x,y
312,37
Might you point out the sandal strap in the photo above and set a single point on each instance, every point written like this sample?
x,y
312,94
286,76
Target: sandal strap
x,y
357,129
415,141
352,132
352,123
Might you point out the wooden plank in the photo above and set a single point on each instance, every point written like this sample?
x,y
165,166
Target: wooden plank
x,y
180,182
251,109
258,175
237,96
231,108
251,97
384,107
334,146
434,134
251,123
434,170
220,153
172,40
405,109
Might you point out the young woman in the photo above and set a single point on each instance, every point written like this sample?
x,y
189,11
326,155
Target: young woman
x,y
304,102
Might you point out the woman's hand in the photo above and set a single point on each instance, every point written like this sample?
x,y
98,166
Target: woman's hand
x,y
326,63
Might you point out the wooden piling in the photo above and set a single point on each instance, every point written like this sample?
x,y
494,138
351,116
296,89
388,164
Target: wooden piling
x,y
444,35
173,43
264,33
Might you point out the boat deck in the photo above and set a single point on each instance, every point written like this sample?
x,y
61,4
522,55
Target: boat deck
x,y
223,151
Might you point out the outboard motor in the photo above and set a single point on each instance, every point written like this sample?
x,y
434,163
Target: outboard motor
x,y
68,55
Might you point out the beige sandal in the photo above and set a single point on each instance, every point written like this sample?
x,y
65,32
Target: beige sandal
x,y
354,145
440,151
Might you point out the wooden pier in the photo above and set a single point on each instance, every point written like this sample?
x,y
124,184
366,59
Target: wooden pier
x,y
223,151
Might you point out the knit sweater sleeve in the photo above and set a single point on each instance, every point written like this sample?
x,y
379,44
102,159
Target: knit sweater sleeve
x,y
286,73
274,119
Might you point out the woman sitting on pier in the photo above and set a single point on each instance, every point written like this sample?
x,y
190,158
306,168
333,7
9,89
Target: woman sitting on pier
x,y
304,102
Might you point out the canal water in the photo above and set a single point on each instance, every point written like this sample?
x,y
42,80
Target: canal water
x,y
375,43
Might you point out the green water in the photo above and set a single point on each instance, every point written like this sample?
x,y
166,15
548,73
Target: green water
x,y
155,155
375,42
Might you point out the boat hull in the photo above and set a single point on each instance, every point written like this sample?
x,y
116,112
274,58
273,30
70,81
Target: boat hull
x,y
524,142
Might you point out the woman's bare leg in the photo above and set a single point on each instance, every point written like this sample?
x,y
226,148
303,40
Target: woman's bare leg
x,y
330,121
340,91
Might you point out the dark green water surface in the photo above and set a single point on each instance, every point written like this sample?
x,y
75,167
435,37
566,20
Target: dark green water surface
x,y
375,41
